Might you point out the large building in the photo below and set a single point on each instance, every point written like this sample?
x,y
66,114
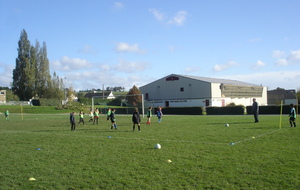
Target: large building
x,y
187,91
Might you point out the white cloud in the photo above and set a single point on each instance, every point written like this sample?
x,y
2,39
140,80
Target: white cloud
x,y
6,74
158,15
179,18
272,80
258,65
225,66
69,64
130,66
118,5
292,58
124,47
278,54
295,56
281,62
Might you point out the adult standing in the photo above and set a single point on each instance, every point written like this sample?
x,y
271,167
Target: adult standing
x,y
72,121
255,109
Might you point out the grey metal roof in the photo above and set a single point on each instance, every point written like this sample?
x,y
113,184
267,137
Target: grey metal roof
x,y
216,80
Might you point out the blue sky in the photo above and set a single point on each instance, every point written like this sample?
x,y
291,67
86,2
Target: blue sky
x,y
132,42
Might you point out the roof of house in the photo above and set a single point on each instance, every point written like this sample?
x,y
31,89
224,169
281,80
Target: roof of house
x,y
215,80
91,94
282,94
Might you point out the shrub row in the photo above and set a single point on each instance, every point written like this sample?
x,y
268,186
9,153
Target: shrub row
x,y
286,109
46,102
232,110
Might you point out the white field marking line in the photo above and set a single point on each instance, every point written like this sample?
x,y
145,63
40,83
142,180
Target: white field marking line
x,y
257,136
166,140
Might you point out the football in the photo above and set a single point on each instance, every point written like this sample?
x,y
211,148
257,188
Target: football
x,y
157,146
226,125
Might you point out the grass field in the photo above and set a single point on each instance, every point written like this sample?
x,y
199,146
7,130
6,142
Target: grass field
x,y
204,153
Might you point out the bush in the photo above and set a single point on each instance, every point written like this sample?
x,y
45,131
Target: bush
x,y
231,110
182,110
271,109
46,102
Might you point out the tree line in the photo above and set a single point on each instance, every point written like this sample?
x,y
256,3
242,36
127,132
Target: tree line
x,y
31,76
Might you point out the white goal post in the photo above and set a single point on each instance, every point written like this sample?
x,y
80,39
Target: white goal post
x,y
117,96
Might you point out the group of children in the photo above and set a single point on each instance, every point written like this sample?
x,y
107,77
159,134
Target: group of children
x,y
94,117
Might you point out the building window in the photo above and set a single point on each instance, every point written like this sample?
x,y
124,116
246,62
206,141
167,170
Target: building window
x,y
147,96
181,89
2,92
172,78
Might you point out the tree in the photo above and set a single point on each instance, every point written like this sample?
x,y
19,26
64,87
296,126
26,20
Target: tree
x,y
132,98
31,77
43,78
298,95
55,88
23,74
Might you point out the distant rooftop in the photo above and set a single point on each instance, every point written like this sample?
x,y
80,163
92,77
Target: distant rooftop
x,y
216,80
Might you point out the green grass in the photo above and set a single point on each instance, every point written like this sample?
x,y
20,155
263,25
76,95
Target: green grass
x,y
199,147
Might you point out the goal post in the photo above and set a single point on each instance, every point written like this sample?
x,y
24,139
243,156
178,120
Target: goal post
x,y
125,102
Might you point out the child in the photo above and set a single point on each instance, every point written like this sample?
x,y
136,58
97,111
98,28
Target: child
x,y
91,114
136,119
72,121
292,116
149,115
108,114
81,118
96,116
159,114
6,114
113,119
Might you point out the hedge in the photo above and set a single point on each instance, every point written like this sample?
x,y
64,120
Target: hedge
x,y
286,109
232,110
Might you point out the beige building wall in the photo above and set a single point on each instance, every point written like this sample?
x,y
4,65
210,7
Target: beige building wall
x,y
3,96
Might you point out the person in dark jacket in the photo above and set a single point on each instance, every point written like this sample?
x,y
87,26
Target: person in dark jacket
x,y
72,121
255,109
113,119
136,119
292,116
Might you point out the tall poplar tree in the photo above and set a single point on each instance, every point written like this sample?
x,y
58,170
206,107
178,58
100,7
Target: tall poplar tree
x,y
22,74
31,77
43,77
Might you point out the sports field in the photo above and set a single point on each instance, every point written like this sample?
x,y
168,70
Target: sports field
x,y
204,153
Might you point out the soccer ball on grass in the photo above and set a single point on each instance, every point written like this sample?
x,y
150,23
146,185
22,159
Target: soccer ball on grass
x,y
157,146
